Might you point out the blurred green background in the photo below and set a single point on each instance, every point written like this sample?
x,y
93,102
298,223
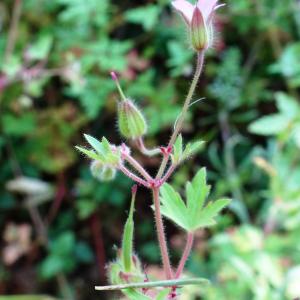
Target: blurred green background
x,y
58,225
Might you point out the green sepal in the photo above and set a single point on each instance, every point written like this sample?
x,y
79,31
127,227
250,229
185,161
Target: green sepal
x,y
127,243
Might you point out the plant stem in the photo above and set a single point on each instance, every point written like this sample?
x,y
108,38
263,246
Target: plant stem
x,y
169,173
143,149
133,176
154,284
13,30
138,167
185,255
161,235
178,126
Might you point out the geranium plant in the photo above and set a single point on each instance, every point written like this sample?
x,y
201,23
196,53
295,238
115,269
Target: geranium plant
x,y
191,212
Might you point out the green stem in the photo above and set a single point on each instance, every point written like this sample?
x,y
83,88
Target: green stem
x,y
152,284
179,124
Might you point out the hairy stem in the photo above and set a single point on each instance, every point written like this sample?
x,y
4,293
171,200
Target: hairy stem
x,y
187,102
169,173
161,235
134,177
185,255
154,284
138,167
143,149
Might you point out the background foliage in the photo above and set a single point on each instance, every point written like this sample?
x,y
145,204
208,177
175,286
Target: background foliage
x,y
57,224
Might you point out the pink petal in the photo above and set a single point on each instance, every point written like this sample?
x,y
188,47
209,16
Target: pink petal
x,y
185,8
206,7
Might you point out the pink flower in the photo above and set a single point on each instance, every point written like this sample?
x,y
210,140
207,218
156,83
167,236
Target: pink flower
x,y
198,17
186,9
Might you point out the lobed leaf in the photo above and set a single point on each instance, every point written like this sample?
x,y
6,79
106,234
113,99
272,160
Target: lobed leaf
x,y
194,214
173,206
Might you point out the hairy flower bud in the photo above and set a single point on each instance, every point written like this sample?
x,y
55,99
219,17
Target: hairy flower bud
x,y
199,32
102,172
131,121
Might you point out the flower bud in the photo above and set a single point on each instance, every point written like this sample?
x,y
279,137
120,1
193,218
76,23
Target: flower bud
x,y
102,172
131,121
199,32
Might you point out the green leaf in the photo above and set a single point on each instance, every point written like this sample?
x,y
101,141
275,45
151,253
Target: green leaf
x,y
177,150
173,206
104,151
98,146
19,125
147,16
191,149
41,48
287,105
179,155
89,153
269,125
206,216
194,214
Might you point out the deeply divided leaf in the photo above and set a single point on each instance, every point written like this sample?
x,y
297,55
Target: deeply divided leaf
x,y
193,214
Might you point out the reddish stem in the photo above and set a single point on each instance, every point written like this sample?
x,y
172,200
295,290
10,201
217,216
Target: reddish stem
x,y
99,245
185,255
168,173
60,194
161,235
134,177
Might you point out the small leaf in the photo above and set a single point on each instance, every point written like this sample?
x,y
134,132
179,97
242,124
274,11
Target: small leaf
x,y
89,153
287,105
177,150
191,149
96,145
106,145
179,155
146,16
270,125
